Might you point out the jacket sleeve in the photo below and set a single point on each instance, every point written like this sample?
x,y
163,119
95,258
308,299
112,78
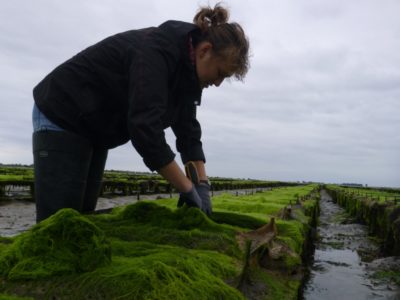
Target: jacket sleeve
x,y
188,135
148,95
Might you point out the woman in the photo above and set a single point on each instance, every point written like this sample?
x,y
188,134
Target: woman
x,y
131,86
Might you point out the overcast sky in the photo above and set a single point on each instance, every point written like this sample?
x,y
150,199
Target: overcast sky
x,y
321,101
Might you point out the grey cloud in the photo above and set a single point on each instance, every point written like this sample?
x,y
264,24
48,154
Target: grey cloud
x,y
321,101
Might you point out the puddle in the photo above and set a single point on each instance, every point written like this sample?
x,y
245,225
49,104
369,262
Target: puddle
x,y
343,261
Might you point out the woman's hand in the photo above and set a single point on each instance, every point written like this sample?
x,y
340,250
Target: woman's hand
x,y
203,189
191,199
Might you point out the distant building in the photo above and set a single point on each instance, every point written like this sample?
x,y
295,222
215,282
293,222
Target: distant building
x,y
352,184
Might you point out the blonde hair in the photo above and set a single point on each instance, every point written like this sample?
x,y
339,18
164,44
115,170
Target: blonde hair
x,y
228,39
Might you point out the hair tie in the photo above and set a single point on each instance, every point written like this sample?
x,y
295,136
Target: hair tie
x,y
208,21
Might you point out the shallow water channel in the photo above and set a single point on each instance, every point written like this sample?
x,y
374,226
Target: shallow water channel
x,y
345,259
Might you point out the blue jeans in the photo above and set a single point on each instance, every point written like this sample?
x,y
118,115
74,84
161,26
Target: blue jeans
x,y
40,121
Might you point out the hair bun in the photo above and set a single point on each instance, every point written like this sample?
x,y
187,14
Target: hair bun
x,y
207,16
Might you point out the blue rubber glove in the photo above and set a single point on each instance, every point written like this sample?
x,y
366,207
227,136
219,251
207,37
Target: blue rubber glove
x,y
191,199
203,189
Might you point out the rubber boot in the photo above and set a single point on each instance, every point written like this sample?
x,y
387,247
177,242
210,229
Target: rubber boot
x,y
61,166
94,179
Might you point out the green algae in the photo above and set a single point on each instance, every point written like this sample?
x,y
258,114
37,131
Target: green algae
x,y
146,270
291,262
64,243
13,297
149,271
236,219
185,227
259,207
272,285
4,242
159,252
155,215
390,275
293,232
162,272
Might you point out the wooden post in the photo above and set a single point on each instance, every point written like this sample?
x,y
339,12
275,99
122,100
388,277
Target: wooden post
x,y
2,190
32,190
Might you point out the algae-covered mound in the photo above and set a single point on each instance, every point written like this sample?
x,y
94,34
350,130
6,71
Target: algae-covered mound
x,y
67,242
184,219
159,252
10,297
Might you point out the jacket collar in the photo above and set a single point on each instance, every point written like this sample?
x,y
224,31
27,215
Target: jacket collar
x,y
183,32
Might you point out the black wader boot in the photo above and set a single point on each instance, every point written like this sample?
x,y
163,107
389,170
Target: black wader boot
x,y
94,179
62,162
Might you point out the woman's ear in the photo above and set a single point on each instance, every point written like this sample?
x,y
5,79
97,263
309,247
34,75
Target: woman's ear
x,y
203,48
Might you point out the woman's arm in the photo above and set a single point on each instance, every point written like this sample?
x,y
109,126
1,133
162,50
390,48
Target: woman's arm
x,y
176,177
201,170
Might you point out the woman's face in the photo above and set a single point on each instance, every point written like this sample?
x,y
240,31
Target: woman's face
x,y
211,69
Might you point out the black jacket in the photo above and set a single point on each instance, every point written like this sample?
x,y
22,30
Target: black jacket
x,y
131,85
